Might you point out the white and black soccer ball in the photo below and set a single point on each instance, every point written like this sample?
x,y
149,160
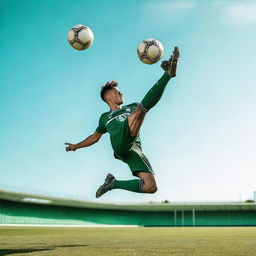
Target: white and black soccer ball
x,y
80,37
150,51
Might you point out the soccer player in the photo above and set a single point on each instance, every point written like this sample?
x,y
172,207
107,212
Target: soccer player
x,y
123,123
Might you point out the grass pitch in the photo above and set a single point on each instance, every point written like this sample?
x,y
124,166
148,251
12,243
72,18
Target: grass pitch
x,y
128,241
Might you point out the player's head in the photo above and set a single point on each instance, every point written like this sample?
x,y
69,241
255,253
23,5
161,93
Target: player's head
x,y
111,94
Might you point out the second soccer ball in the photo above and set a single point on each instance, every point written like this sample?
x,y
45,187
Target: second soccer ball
x,y
150,51
80,37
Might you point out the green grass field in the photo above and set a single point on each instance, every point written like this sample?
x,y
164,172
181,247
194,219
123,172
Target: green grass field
x,y
128,241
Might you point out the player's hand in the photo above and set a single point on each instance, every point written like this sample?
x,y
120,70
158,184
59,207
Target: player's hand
x,y
70,147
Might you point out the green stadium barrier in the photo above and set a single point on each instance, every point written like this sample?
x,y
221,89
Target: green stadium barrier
x,y
12,212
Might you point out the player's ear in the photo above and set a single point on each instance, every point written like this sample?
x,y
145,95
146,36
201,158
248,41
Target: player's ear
x,y
107,96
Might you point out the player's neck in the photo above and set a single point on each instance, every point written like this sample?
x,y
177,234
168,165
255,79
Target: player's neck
x,y
113,106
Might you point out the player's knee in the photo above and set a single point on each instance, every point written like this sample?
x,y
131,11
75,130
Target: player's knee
x,y
150,189
153,189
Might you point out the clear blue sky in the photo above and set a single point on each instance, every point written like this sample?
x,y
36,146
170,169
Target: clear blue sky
x,y
200,138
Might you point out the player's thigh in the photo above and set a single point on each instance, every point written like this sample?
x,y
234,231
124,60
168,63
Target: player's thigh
x,y
135,120
137,115
137,161
141,167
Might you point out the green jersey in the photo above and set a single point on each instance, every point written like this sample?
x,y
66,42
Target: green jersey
x,y
116,124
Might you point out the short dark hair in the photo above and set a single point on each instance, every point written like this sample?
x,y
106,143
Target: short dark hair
x,y
108,86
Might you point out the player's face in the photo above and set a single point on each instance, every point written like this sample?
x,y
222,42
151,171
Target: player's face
x,y
117,96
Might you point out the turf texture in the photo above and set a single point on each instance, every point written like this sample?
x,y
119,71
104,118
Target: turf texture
x,y
197,241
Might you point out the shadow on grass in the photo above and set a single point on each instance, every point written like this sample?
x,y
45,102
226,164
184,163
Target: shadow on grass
x,y
4,252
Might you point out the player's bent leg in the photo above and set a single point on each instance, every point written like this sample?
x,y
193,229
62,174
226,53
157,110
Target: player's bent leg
x,y
135,120
149,182
140,167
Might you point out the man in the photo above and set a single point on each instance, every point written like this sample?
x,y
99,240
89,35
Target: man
x,y
123,124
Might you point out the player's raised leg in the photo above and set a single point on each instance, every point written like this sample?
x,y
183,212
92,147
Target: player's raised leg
x,y
135,120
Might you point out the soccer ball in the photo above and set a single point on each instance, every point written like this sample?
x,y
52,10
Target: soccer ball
x,y
150,51
80,37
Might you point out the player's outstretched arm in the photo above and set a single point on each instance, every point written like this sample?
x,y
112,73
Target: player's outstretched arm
x,y
85,143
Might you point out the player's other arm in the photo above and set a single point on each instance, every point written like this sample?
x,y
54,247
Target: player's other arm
x,y
90,140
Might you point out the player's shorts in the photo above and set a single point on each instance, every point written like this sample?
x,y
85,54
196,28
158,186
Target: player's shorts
x,y
128,149
136,160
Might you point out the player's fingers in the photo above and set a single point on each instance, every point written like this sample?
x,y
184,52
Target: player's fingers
x,y
67,143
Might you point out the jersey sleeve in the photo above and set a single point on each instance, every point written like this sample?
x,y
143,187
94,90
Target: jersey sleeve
x,y
101,128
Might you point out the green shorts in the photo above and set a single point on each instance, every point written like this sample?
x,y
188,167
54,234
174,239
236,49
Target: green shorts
x,y
128,149
136,160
